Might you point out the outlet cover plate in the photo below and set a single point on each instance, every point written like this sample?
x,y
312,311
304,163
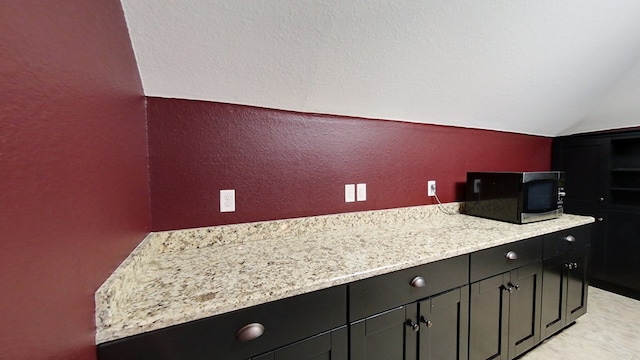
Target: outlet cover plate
x,y
431,188
227,200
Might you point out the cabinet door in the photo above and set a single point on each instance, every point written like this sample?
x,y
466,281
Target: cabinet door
x,y
385,336
584,161
577,287
564,291
488,317
332,345
623,249
554,295
444,326
524,308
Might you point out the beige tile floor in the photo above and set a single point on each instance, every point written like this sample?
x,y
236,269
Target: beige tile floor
x,y
609,330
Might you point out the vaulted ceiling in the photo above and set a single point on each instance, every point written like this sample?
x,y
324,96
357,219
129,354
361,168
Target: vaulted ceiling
x,y
548,67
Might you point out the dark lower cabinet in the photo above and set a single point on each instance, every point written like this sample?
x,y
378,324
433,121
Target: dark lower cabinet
x,y
565,279
333,345
444,326
495,303
622,251
385,336
564,293
489,316
504,314
431,329
525,304
235,335
577,287
554,290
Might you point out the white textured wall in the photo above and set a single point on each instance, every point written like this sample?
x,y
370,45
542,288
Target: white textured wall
x,y
537,67
620,106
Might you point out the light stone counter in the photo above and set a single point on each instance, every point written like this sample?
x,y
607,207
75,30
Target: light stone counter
x,y
177,276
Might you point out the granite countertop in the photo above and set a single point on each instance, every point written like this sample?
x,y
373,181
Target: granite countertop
x,y
174,277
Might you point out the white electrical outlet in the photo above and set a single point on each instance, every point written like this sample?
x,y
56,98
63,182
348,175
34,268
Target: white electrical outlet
x,y
361,192
227,200
350,193
431,188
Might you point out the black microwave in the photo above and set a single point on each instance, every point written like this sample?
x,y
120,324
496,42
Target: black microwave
x,y
516,197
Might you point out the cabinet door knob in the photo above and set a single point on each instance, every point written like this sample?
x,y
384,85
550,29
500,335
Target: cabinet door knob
x,y
600,219
601,199
414,326
511,255
429,323
250,332
418,282
570,238
507,287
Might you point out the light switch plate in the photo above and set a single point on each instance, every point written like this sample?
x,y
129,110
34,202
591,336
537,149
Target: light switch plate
x,y
349,193
361,192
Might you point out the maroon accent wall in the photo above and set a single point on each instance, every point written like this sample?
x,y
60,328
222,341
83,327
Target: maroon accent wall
x,y
286,164
74,198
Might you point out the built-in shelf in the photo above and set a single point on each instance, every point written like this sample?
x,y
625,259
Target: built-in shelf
x,y
624,189
625,171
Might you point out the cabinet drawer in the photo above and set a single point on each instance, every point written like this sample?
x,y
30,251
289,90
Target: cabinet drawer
x,y
380,293
569,241
284,321
332,345
493,261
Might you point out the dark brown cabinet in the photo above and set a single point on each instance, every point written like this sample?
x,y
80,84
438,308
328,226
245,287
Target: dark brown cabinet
x,y
332,345
430,329
565,283
434,325
621,265
495,303
504,314
505,308
388,335
444,326
269,326
603,181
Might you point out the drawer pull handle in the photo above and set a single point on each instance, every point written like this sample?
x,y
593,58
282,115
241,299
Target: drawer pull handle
x,y
570,239
418,282
414,326
511,255
250,332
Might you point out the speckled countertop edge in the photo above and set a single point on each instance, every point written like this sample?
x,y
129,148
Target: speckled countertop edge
x,y
178,276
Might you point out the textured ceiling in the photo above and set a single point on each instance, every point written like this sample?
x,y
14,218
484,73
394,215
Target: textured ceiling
x,y
545,67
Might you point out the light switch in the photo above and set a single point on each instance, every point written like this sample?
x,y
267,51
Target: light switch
x,y
361,192
349,193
